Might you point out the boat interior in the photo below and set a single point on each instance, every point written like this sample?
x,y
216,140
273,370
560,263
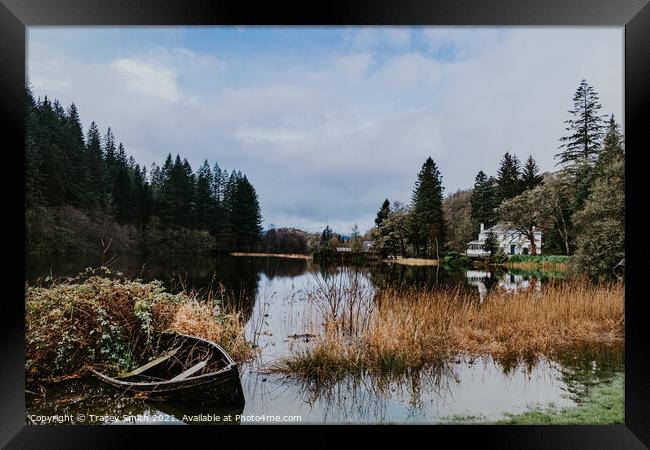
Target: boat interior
x,y
182,358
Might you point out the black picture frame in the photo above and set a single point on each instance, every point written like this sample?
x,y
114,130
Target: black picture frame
x,y
634,15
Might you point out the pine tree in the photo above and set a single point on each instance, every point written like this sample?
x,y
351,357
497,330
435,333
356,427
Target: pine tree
x,y
483,201
219,178
585,127
62,167
32,156
612,145
110,160
530,177
122,187
428,218
187,183
95,188
249,217
76,157
218,217
51,158
167,168
326,235
491,244
383,213
508,178
204,200
227,233
146,195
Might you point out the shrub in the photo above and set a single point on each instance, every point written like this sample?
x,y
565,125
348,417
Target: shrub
x,y
455,260
99,318
67,230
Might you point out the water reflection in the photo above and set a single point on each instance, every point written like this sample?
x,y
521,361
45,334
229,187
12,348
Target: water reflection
x,y
275,296
484,281
241,275
86,401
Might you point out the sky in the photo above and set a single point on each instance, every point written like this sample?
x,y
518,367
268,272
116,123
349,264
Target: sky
x,y
327,122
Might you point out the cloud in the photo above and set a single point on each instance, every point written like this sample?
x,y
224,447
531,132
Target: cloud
x,y
326,137
146,79
272,135
355,65
390,37
461,43
410,69
156,74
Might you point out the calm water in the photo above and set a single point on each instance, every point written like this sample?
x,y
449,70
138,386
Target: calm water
x,y
282,317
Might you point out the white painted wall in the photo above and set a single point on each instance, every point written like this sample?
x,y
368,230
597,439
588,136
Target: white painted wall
x,y
506,239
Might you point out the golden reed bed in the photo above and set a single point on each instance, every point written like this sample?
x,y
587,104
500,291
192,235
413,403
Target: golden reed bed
x,y
273,255
408,329
412,261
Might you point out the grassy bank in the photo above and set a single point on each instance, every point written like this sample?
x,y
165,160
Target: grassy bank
x,y
104,320
604,405
412,261
406,329
273,255
532,262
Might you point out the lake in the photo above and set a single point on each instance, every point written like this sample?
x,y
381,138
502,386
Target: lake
x,y
282,317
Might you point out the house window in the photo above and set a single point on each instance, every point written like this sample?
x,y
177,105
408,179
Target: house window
x,y
513,249
524,250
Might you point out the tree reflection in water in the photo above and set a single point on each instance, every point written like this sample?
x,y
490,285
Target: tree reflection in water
x,y
277,297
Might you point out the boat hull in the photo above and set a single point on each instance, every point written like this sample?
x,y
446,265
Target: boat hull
x,y
222,386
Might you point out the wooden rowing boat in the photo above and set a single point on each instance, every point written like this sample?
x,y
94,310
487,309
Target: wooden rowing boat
x,y
192,370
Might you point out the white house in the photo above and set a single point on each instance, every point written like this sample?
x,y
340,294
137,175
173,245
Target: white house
x,y
511,241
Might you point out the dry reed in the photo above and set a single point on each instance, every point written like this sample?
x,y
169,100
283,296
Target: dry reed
x,y
273,255
560,266
410,329
412,261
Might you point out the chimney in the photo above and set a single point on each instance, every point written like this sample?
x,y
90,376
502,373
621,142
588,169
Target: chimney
x,y
482,227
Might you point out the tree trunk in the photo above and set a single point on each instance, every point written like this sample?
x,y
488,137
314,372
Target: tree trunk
x,y
533,247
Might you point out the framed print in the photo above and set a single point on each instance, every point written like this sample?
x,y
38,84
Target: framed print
x,y
416,217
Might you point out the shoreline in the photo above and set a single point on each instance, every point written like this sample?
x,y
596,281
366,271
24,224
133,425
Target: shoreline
x,y
559,267
604,405
273,255
412,261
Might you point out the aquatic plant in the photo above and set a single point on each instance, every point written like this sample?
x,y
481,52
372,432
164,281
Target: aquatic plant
x,y
411,329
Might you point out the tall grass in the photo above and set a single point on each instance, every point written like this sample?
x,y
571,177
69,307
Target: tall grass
x,y
407,329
